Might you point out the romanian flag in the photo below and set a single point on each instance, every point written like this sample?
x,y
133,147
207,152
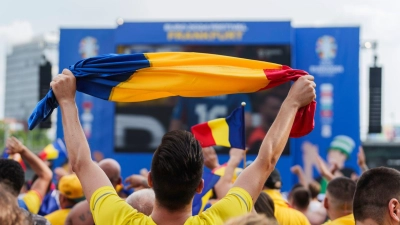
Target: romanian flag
x,y
142,77
201,200
55,152
228,132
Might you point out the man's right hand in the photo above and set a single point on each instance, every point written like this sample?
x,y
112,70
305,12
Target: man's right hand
x,y
64,87
302,91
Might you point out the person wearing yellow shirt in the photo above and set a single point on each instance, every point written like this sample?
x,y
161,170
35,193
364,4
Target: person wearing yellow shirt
x,y
176,168
339,201
283,213
70,193
80,214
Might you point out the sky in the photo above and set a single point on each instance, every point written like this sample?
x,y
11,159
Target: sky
x,y
379,20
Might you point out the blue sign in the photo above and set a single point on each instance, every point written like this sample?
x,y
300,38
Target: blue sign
x,y
331,55
210,33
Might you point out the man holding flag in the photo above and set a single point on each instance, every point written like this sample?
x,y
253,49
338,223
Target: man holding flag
x,y
177,166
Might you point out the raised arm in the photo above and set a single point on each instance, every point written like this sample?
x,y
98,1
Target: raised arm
x,y
89,173
254,176
225,182
38,166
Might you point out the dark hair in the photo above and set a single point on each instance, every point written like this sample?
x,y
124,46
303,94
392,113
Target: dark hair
x,y
374,190
274,180
12,175
177,169
314,188
342,189
301,197
265,205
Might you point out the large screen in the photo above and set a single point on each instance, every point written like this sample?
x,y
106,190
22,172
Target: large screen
x,y
139,127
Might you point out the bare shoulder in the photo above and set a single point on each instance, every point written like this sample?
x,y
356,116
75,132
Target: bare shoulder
x,y
80,214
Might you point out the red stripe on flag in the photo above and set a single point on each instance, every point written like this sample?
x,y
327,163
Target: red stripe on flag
x,y
202,132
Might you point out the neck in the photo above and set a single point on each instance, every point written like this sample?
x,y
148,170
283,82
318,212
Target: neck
x,y
337,214
367,222
164,216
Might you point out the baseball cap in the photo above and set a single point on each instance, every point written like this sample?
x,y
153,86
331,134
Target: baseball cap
x,y
343,143
71,187
274,180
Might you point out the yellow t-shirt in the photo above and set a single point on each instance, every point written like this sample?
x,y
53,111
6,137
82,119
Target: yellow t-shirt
x,y
283,213
58,217
33,201
108,209
345,220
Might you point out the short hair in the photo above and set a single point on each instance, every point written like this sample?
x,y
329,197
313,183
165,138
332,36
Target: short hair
x,y
265,205
177,169
374,190
12,175
341,190
142,201
251,219
10,213
301,197
314,188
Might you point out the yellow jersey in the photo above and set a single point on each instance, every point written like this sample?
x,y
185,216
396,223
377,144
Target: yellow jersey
x,y
344,220
58,217
109,209
283,213
33,201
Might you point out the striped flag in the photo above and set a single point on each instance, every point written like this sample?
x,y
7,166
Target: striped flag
x,y
148,76
227,132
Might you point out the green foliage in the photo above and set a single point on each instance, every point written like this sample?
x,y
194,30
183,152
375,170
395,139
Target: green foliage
x,y
35,140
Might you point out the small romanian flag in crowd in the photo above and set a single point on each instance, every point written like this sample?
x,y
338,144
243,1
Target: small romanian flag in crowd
x,y
227,132
55,152
17,157
148,76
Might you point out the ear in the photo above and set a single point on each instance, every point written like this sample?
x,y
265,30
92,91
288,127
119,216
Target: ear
x,y
150,180
326,204
394,210
199,188
119,180
61,198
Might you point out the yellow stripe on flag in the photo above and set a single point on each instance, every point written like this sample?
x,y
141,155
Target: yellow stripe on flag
x,y
51,152
220,131
192,75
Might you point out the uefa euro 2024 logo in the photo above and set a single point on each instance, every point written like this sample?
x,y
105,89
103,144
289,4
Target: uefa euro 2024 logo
x,y
88,47
326,47
326,50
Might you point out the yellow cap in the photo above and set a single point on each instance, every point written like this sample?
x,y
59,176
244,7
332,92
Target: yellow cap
x,y
71,187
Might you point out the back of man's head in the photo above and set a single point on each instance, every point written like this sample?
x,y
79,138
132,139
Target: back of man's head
x,y
377,195
300,198
142,201
112,169
11,175
314,188
177,169
339,194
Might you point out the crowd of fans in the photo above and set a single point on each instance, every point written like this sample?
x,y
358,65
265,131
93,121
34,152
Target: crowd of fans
x,y
90,192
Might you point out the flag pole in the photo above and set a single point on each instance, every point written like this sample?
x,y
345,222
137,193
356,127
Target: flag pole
x,y
244,135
